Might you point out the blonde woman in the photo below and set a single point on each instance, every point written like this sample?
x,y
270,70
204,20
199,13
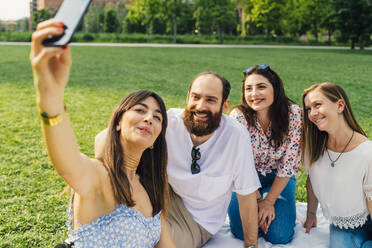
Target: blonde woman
x,y
339,160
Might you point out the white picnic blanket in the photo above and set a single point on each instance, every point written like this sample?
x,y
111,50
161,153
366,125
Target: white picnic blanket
x,y
318,237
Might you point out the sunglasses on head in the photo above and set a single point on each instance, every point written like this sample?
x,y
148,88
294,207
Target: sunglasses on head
x,y
259,67
195,156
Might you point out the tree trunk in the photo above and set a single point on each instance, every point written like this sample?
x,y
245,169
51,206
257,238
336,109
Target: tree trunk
x,y
147,32
361,42
352,43
174,28
219,34
329,35
243,20
316,31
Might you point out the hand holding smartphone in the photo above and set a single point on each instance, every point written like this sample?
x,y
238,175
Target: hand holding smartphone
x,y
70,13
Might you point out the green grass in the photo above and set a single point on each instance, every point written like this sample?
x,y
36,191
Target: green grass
x,y
32,207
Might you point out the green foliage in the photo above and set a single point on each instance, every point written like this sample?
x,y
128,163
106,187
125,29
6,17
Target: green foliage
x,y
92,23
184,17
215,16
101,21
39,16
314,21
111,22
16,36
135,20
268,14
354,18
121,14
22,24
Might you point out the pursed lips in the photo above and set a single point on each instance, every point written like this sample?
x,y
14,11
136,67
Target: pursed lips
x,y
145,130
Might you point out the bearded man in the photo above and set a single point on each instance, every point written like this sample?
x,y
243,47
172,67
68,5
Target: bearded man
x,y
209,156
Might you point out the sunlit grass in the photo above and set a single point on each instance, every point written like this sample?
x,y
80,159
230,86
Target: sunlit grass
x,y
32,208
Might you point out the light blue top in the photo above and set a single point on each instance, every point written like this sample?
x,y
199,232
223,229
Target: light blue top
x,y
124,227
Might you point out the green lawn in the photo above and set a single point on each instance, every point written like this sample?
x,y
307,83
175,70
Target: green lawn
x,y
32,205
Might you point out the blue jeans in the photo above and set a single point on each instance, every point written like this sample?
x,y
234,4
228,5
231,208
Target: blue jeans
x,y
360,237
281,230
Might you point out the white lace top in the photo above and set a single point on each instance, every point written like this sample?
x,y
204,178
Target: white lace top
x,y
342,190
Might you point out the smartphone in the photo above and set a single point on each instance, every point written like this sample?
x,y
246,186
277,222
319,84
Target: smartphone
x,y
70,13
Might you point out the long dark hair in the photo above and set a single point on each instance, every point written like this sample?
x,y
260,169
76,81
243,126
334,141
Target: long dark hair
x,y
314,141
278,111
152,168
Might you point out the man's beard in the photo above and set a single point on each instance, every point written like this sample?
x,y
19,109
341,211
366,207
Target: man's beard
x,y
198,127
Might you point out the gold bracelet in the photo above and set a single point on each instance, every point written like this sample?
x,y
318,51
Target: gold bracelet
x,y
51,120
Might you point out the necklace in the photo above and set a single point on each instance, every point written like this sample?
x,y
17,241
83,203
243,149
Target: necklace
x,y
334,161
131,163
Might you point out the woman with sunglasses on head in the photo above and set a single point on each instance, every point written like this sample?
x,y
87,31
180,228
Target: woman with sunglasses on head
x,y
274,124
118,199
338,157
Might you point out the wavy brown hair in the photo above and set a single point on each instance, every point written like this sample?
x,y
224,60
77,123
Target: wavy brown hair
x,y
278,111
152,167
314,141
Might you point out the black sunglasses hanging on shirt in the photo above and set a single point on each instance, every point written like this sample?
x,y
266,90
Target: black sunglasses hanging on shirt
x,y
195,156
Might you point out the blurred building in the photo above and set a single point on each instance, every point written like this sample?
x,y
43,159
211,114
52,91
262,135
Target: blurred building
x,y
53,5
9,26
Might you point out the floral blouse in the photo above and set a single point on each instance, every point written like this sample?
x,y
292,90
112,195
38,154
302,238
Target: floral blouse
x,y
287,158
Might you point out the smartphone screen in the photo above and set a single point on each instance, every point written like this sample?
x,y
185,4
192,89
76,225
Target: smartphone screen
x,y
70,13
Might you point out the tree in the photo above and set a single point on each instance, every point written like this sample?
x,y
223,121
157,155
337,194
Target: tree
x,y
268,14
329,20
39,16
148,15
122,12
2,27
134,21
244,7
295,22
22,24
91,19
101,22
315,12
215,16
179,17
111,23
173,9
353,19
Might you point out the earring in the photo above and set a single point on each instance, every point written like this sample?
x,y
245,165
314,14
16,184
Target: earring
x,y
152,146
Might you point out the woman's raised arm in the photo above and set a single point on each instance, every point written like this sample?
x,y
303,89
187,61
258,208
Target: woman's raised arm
x,y
51,68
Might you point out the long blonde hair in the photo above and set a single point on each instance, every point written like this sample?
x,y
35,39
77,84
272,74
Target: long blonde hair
x,y
313,140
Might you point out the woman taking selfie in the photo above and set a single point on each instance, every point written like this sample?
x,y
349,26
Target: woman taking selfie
x,y
274,124
338,157
118,199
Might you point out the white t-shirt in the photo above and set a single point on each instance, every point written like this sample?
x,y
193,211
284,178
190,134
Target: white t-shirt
x,y
342,190
226,164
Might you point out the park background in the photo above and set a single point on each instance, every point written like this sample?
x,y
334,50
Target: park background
x,y
32,202
315,22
